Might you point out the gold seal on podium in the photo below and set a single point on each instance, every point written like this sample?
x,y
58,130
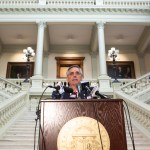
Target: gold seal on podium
x,y
83,133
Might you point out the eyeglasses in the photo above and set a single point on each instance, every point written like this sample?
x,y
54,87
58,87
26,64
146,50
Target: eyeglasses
x,y
74,73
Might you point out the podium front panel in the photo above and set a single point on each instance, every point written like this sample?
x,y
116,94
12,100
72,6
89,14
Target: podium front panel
x,y
56,113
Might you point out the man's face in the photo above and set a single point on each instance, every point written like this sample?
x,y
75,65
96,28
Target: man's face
x,y
74,77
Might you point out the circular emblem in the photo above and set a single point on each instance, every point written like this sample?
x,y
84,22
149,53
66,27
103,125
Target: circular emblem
x,y
82,133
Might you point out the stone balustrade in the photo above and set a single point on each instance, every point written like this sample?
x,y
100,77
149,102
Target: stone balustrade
x,y
9,87
71,2
137,86
137,96
108,3
18,2
143,96
46,82
10,108
53,82
16,81
136,3
139,111
140,114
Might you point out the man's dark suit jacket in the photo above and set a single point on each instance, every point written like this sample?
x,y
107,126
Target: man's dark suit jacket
x,y
82,95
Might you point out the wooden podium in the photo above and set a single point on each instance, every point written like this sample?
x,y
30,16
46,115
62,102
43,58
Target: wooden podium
x,y
56,113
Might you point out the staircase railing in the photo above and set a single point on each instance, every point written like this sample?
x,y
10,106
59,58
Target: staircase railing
x,y
139,111
12,102
53,82
137,87
9,88
137,96
11,108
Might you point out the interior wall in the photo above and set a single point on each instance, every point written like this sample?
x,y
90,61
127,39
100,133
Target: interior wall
x,y
147,62
86,65
129,57
132,57
49,70
9,57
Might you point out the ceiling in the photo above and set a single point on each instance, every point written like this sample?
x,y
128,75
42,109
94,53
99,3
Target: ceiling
x,y
78,35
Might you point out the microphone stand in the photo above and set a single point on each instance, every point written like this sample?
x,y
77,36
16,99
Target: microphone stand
x,y
38,113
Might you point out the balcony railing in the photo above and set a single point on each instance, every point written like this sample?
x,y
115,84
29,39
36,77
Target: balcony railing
x,y
107,3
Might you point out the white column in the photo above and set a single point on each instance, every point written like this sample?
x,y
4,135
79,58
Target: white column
x,y
94,64
39,51
45,64
142,63
37,79
102,55
104,79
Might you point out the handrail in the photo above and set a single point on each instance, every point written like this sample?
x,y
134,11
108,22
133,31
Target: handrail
x,y
7,81
8,87
137,86
138,110
10,109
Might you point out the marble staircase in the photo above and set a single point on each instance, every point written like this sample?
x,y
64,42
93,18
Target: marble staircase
x,y
20,135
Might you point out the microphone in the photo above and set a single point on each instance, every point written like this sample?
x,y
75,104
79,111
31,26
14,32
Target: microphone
x,y
85,90
79,88
101,95
55,87
68,89
95,92
64,88
85,86
56,94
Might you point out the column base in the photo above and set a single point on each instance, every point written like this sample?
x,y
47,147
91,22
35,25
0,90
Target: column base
x,y
37,84
104,82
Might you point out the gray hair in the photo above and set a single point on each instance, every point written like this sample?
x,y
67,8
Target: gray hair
x,y
74,66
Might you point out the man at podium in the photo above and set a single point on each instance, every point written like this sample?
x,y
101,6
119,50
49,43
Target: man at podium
x,y
74,76
77,89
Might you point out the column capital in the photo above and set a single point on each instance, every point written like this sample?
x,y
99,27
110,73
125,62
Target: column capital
x,y
100,24
41,24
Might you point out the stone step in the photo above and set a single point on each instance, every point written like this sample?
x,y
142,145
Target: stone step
x,y
139,148
20,136
22,129
23,126
143,141
13,142
12,131
15,147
